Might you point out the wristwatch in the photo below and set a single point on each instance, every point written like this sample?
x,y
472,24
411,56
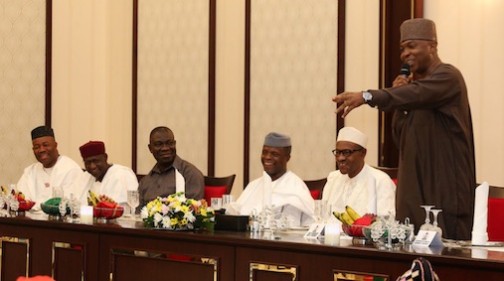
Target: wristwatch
x,y
367,96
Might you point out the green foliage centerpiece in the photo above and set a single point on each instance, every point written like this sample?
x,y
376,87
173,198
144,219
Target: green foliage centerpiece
x,y
176,212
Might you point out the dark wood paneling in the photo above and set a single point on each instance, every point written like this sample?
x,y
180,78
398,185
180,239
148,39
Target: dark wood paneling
x,y
14,260
132,252
212,31
69,263
246,103
260,275
340,87
48,64
132,268
134,87
392,14
179,254
42,236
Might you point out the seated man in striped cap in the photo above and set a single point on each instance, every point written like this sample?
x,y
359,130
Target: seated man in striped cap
x,y
277,187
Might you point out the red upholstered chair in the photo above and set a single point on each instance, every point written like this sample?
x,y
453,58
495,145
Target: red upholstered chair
x,y
495,227
316,187
216,187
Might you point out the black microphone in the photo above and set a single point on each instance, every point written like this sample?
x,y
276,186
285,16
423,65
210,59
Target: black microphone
x,y
405,70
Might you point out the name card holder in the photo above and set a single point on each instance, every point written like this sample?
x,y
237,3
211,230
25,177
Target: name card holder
x,y
428,238
316,230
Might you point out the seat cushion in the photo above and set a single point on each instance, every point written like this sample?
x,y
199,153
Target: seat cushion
x,y
495,226
214,191
179,257
35,278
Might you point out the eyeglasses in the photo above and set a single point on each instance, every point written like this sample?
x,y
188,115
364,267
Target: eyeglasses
x,y
345,152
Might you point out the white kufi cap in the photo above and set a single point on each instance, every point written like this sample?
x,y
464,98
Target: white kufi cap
x,y
351,134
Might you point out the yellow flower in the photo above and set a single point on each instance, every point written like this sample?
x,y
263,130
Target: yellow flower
x,y
184,208
203,212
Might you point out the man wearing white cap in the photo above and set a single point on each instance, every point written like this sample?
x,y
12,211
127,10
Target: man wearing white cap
x,y
356,184
432,125
277,187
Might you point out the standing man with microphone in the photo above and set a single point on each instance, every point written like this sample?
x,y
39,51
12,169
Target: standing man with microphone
x,y
433,127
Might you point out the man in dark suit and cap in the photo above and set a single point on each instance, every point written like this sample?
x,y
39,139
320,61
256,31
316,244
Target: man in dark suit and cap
x,y
433,127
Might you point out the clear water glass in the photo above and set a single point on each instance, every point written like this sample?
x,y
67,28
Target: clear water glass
x,y
57,192
216,203
320,210
226,200
427,225
63,207
133,201
435,226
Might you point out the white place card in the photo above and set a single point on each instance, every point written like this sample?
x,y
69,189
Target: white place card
x,y
315,231
427,238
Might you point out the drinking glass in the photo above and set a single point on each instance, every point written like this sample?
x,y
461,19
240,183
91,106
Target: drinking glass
x,y
320,210
411,230
226,200
74,205
427,225
133,201
216,203
435,226
57,192
63,208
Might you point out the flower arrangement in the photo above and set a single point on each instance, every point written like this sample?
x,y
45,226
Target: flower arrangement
x,y
176,212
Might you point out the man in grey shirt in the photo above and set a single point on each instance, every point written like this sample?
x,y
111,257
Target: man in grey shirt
x,y
171,173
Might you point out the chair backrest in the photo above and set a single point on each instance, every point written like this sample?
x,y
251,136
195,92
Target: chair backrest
x,y
495,227
392,172
316,187
218,186
139,177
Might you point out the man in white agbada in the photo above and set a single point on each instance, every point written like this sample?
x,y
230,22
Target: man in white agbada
x,y
278,187
355,183
103,178
52,171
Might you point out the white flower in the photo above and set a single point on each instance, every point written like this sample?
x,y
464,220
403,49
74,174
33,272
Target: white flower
x,y
190,216
164,209
157,218
166,222
181,197
144,213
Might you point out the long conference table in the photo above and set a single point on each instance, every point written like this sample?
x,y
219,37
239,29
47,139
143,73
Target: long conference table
x,y
124,250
